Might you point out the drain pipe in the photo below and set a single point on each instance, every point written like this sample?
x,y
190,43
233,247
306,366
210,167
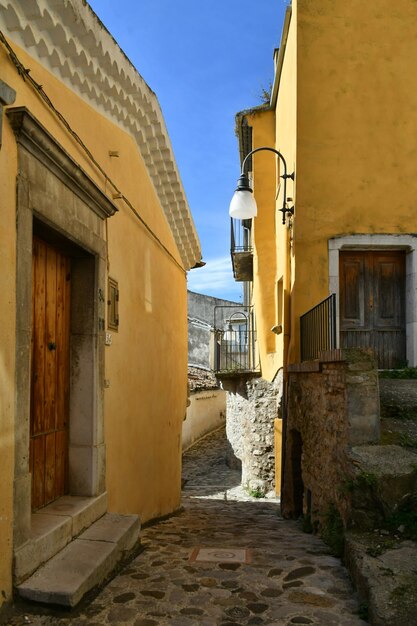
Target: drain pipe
x,y
287,337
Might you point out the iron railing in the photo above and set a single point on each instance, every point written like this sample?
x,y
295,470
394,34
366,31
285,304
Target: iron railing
x,y
235,348
241,249
240,236
318,329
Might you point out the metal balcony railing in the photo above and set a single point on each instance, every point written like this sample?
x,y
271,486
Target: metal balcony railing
x,y
241,249
240,235
235,347
318,329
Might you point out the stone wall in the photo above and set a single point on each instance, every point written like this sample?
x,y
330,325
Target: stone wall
x,y
333,404
252,406
204,312
398,398
199,343
201,307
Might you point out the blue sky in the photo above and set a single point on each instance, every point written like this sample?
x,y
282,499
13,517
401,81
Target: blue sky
x,y
205,61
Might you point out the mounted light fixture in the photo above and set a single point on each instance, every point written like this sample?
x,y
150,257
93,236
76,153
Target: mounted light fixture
x,y
240,319
243,204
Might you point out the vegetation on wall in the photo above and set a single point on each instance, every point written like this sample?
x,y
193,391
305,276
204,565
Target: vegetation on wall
x,y
265,95
404,519
332,530
255,492
364,480
404,373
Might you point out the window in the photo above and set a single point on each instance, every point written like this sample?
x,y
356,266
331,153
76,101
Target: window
x,y
112,304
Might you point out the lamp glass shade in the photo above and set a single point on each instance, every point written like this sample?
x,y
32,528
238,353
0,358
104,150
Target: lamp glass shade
x,y
243,205
229,334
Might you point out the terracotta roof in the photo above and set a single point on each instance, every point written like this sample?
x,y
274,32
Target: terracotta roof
x,y
201,380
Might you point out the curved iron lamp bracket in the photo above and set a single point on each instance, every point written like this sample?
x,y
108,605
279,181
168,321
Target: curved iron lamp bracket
x,y
243,183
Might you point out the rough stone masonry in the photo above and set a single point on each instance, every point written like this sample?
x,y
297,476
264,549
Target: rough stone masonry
x,y
252,405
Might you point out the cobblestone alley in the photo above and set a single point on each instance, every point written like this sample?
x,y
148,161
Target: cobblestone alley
x,y
226,559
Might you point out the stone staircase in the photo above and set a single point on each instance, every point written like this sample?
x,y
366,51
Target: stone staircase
x,y
380,547
385,473
74,546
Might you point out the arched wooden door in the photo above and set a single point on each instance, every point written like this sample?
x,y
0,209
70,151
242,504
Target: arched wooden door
x,y
49,418
372,304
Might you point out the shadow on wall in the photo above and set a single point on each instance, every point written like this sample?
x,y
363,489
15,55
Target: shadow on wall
x,y
207,409
295,448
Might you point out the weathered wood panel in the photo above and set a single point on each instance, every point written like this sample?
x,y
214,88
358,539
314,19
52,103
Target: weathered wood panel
x,y
50,374
61,465
62,352
372,304
49,467
51,339
38,475
38,334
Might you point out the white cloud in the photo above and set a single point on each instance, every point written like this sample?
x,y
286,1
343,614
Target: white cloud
x,y
216,279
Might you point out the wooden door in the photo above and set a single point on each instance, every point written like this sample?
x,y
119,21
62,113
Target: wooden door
x,y
50,374
372,304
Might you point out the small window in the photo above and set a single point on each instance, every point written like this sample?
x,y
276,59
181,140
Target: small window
x,y
113,304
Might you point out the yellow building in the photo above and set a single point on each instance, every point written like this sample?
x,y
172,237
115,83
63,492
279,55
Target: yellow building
x,y
95,240
343,117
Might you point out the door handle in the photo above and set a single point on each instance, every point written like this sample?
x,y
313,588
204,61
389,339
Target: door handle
x,y
51,346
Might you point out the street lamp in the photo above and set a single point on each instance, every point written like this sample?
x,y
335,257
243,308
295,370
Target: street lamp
x,y
243,204
241,318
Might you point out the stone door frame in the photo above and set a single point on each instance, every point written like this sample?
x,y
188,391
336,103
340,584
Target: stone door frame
x,y
386,242
54,193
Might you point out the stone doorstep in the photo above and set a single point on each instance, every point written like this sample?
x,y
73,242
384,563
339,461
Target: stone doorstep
x,y
53,527
84,563
387,582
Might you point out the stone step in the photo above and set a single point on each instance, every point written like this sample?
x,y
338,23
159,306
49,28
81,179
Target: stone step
x,y
84,563
398,398
386,579
53,527
385,479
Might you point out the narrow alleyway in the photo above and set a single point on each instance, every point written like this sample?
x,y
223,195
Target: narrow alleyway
x,y
252,567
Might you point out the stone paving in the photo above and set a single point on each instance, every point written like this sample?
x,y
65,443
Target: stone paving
x,y
291,578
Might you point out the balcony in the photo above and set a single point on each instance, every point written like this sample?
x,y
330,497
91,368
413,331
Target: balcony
x,y
241,249
235,347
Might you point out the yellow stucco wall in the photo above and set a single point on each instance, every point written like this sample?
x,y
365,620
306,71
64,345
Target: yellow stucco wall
x,y
264,258
345,120
100,136
272,240
286,141
356,125
345,115
146,365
